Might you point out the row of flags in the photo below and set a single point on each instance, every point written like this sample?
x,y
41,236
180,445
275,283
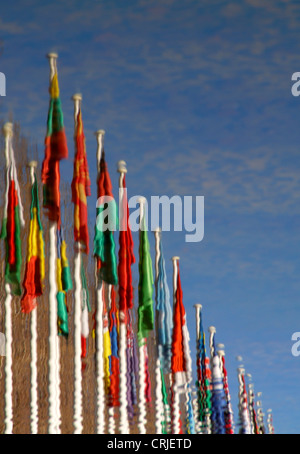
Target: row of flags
x,y
178,408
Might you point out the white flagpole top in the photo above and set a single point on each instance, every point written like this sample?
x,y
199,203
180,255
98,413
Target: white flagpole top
x,y
175,258
100,132
8,129
157,230
199,306
142,200
77,97
32,164
52,55
212,329
122,167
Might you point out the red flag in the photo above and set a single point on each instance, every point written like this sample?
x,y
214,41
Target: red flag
x,y
126,259
178,357
81,188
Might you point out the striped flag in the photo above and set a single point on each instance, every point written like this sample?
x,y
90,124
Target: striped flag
x,y
11,225
104,243
64,284
55,150
35,266
81,187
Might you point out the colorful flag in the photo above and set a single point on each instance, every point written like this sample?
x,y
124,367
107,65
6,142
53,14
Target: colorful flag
x,y
11,225
203,382
81,187
126,257
64,284
164,319
104,243
145,309
106,347
55,150
35,266
114,359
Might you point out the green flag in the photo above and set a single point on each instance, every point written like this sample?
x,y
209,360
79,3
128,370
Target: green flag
x,y
145,310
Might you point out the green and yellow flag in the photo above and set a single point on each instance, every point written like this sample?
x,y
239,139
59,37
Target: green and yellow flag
x,y
35,266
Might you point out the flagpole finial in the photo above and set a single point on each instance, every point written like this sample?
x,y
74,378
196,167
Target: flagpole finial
x,y
122,167
32,164
100,132
52,55
175,258
198,305
8,129
77,97
212,329
142,200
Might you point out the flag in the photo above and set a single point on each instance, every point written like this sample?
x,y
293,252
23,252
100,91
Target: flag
x,y
85,308
178,361
228,410
64,283
126,257
106,347
11,226
55,150
104,243
165,322
81,187
218,401
203,381
114,359
145,309
132,366
35,266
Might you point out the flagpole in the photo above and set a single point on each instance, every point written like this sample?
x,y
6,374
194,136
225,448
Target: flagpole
x,y
33,345
243,403
77,312
198,308
8,133
142,354
111,409
159,408
176,398
124,424
54,356
229,417
99,320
